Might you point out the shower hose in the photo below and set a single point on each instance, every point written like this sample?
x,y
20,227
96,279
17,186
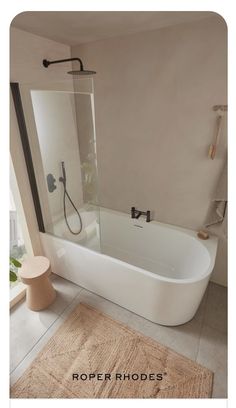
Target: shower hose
x,y
66,194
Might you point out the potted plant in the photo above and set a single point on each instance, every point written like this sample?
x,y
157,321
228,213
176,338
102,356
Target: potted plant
x,y
14,265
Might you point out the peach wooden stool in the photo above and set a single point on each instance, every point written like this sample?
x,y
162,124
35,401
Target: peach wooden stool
x,y
35,273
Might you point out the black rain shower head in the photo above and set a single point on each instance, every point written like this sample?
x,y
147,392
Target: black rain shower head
x,y
82,71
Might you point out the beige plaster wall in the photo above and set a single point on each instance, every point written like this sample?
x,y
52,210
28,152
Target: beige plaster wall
x,y
154,93
26,54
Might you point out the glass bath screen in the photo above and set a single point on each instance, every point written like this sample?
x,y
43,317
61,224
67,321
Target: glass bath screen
x,y
66,165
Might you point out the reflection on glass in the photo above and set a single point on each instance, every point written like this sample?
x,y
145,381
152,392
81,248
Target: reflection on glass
x,y
67,165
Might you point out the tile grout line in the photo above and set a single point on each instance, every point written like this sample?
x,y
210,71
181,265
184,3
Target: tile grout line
x,y
209,324
202,323
49,327
58,316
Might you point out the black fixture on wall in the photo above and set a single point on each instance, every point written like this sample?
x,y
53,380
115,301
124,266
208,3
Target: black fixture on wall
x,y
137,213
15,89
81,71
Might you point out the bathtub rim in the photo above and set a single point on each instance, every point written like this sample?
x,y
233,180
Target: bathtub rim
x,y
210,245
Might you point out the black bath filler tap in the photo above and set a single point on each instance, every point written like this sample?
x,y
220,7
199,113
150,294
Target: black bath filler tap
x,y
136,214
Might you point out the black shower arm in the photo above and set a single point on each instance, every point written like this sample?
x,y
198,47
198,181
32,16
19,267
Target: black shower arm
x,y
46,63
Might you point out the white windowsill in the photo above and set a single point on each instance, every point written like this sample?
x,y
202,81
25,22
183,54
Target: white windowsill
x,y
17,293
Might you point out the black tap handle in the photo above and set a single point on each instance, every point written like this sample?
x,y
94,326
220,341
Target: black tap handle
x,y
132,212
148,219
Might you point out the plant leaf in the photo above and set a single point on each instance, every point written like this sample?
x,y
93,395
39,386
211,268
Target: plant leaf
x,y
16,263
13,276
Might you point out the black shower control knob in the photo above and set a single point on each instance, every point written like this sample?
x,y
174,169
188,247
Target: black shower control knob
x,y
51,183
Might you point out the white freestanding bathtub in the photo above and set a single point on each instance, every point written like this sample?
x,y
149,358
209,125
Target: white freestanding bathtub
x,y
156,270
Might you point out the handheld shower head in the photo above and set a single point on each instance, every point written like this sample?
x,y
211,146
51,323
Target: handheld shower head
x,y
63,178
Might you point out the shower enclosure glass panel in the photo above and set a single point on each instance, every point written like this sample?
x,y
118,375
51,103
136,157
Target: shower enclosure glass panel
x,y
65,163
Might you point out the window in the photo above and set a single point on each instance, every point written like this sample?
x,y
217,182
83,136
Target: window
x,y
20,245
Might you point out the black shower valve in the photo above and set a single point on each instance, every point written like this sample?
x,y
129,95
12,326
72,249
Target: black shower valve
x,y
51,183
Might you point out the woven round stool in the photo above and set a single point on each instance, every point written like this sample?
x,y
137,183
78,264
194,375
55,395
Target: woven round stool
x,y
35,273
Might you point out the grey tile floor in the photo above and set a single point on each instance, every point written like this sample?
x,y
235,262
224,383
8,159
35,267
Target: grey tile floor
x,y
203,339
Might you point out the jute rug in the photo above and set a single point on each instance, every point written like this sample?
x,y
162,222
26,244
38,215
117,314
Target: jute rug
x,y
93,356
